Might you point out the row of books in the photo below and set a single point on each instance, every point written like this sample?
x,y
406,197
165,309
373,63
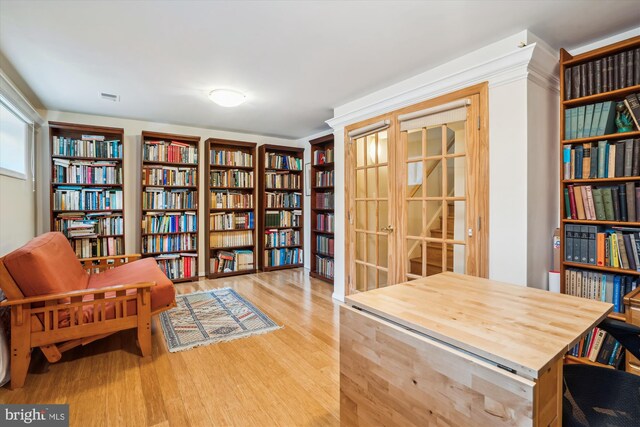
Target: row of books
x,y
169,243
169,222
324,245
320,157
163,175
96,147
73,224
283,218
277,238
278,257
601,347
325,266
178,266
86,172
230,261
282,180
77,198
603,75
278,161
616,203
283,200
597,286
324,201
324,179
614,247
179,198
230,200
325,222
104,246
170,152
590,120
231,221
230,239
231,178
231,158
602,160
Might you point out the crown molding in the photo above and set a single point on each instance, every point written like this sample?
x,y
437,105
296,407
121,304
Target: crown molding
x,y
501,70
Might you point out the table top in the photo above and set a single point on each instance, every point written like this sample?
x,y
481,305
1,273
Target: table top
x,y
523,329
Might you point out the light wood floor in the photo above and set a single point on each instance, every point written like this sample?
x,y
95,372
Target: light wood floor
x,y
289,377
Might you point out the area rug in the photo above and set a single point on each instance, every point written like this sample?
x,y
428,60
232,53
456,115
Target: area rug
x,y
209,317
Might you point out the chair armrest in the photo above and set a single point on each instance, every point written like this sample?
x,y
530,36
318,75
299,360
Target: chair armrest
x,y
103,262
81,293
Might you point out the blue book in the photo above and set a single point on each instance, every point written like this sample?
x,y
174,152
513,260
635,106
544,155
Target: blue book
x,y
612,358
588,118
574,123
607,123
581,114
579,155
616,294
597,111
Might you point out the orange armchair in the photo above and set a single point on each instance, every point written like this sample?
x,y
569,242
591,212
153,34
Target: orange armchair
x,y
59,302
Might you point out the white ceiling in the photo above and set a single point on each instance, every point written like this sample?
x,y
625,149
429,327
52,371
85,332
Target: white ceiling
x,y
294,60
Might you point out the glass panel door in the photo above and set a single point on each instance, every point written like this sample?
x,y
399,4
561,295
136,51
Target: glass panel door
x,y
435,214
373,222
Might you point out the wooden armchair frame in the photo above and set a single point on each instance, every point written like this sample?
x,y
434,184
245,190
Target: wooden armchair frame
x,y
35,320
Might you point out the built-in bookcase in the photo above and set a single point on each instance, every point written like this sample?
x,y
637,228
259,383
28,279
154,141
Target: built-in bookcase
x,y
87,191
600,181
169,203
322,208
231,208
281,204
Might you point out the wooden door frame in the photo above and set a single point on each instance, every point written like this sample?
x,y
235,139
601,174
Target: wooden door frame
x,y
481,175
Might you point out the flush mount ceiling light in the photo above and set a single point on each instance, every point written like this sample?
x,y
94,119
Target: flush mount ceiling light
x,y
227,97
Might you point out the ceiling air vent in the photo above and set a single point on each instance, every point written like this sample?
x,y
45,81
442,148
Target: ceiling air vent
x,y
109,97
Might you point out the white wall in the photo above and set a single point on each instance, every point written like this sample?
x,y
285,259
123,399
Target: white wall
x,y
132,150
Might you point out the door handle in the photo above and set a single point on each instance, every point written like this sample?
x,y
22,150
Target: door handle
x,y
388,229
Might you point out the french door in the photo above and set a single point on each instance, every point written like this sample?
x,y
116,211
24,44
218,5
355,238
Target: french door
x,y
417,192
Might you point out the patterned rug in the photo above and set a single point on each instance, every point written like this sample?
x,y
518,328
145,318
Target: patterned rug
x,y
208,317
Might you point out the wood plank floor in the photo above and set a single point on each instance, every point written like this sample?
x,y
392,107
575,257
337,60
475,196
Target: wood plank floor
x,y
289,377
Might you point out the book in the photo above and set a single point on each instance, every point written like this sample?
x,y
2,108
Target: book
x,y
623,202
611,167
581,117
590,79
595,348
597,112
590,203
598,203
584,244
597,76
629,250
588,119
636,61
630,65
567,124
628,157
631,201
622,69
610,73
575,81
602,159
600,248
619,160
605,75
607,123
567,84
586,160
568,245
635,162
595,161
566,156
615,195
637,203
607,199
633,105
583,79
579,203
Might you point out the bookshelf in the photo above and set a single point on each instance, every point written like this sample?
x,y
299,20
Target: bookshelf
x,y
280,207
169,203
599,174
322,205
86,187
231,208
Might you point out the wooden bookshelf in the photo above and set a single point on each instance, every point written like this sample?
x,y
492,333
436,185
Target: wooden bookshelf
x,y
171,162
227,160
598,76
266,171
322,215
90,165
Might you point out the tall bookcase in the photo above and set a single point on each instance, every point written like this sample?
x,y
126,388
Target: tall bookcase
x,y
231,208
280,207
322,205
87,191
599,177
169,203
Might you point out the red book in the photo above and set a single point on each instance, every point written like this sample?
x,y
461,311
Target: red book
x,y
572,202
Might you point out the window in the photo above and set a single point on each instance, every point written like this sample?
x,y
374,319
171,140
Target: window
x,y
14,143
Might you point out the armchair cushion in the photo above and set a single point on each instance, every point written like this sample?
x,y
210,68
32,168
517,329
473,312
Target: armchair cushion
x,y
46,265
144,270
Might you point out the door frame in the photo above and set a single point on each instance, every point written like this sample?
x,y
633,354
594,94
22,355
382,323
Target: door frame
x,y
481,176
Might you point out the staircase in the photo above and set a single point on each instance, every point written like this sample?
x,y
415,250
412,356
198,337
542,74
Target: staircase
x,y
434,249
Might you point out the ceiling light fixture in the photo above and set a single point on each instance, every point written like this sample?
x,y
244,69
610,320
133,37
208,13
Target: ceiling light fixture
x,y
227,97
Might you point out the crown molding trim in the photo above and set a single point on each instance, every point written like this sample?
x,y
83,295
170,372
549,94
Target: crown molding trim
x,y
501,70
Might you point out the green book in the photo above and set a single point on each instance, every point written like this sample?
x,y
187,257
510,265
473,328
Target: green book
x,y
588,118
597,111
607,119
598,203
607,200
567,203
581,112
602,159
574,123
567,123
